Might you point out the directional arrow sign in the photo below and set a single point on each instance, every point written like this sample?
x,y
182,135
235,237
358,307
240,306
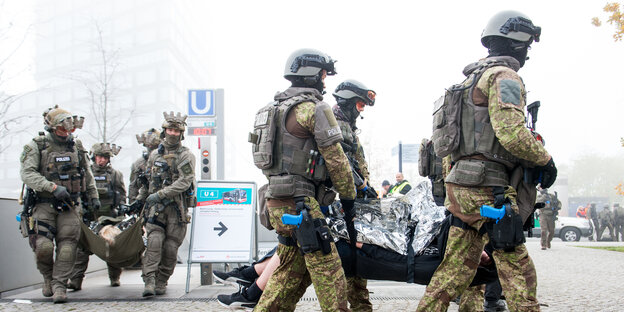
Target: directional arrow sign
x,y
223,228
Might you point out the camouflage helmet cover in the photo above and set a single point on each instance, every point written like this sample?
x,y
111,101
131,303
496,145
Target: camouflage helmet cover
x,y
148,138
55,117
105,149
177,121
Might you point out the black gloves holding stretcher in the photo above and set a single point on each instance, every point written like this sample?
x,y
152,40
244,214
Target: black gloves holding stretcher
x,y
547,174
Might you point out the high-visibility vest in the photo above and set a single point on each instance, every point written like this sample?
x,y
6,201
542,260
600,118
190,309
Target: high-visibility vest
x,y
399,188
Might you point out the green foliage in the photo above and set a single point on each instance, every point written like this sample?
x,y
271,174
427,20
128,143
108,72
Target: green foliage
x,y
611,248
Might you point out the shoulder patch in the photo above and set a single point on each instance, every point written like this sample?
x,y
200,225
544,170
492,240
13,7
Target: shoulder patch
x,y
186,168
331,118
510,92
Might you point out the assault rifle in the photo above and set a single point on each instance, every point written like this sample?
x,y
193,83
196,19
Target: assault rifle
x,y
367,191
531,175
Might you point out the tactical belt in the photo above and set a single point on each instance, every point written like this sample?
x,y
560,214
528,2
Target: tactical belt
x,y
288,241
154,221
477,172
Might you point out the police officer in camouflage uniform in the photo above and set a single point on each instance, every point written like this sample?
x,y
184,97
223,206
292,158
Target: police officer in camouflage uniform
x,y
352,97
491,144
306,137
150,139
547,217
112,193
56,166
170,192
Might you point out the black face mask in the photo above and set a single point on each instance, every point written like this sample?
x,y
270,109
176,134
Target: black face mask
x,y
349,110
310,82
506,47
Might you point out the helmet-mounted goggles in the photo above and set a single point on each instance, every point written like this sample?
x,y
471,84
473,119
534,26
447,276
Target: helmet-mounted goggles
x,y
313,60
367,95
521,24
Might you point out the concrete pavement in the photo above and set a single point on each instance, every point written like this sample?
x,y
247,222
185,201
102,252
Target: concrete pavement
x,y
570,278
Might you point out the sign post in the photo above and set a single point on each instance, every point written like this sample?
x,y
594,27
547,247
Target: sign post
x,y
223,223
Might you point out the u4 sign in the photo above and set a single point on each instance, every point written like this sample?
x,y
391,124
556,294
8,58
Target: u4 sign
x,y
201,103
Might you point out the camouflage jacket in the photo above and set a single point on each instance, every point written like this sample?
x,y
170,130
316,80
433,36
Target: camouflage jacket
x,y
502,90
352,140
335,159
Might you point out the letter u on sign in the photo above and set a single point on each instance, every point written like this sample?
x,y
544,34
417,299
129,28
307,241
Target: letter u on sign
x,y
201,103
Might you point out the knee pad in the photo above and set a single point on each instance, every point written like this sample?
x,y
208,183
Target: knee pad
x,y
66,253
170,248
44,250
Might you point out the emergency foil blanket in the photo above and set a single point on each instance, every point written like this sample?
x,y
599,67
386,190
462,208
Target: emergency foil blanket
x,y
394,223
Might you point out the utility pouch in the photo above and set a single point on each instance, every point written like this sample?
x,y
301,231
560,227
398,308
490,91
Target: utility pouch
x,y
263,211
447,121
325,196
282,186
507,233
467,173
23,225
263,136
424,158
324,236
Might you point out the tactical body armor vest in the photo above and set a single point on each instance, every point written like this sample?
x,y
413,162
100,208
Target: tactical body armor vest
x,y
479,158
293,165
163,171
104,182
349,142
61,164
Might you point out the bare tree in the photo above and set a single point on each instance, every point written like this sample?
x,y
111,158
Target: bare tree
x,y
100,85
10,122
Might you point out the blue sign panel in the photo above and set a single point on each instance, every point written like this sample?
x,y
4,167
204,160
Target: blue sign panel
x,y
201,103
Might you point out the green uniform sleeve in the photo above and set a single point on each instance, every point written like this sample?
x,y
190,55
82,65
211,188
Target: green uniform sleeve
x,y
186,176
29,170
335,159
506,98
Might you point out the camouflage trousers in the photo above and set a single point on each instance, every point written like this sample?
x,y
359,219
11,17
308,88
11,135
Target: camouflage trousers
x,y
296,271
161,253
358,294
472,299
67,226
463,252
547,225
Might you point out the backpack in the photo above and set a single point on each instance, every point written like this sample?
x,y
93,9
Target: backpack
x,y
447,110
263,136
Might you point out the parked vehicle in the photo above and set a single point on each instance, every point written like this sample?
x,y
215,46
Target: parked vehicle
x,y
569,229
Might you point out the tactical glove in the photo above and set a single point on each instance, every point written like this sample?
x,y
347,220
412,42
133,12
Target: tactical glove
x,y
152,200
61,193
95,204
136,206
548,174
